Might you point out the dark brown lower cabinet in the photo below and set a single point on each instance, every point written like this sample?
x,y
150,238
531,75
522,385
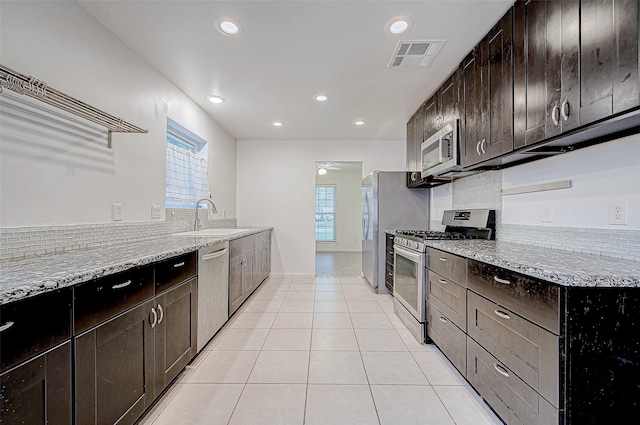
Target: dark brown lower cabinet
x,y
115,375
39,390
175,332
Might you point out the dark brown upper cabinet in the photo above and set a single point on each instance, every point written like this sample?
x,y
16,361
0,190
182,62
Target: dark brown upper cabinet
x,y
576,62
487,96
443,106
415,137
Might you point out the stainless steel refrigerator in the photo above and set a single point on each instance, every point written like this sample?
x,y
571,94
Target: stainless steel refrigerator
x,y
387,204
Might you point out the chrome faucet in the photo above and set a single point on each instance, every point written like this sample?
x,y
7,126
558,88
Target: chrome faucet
x,y
196,224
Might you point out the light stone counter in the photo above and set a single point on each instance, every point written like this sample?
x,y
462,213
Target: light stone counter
x,y
24,278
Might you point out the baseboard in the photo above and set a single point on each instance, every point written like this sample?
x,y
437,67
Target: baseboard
x,y
292,274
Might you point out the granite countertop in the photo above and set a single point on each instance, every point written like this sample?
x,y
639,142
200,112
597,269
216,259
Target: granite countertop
x,y
31,276
561,267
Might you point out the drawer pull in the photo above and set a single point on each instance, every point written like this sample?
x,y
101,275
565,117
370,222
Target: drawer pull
x,y
155,318
180,264
6,326
161,311
444,282
502,314
442,319
442,259
390,274
121,285
500,370
503,281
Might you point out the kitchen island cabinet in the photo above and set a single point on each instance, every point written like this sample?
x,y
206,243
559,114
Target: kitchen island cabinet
x,y
563,350
249,266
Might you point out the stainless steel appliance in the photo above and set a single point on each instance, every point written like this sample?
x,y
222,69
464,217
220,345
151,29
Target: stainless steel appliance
x,y
439,153
387,204
410,262
213,290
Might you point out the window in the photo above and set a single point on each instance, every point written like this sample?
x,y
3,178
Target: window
x,y
325,213
187,168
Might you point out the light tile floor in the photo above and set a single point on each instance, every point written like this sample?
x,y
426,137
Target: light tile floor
x,y
338,263
319,351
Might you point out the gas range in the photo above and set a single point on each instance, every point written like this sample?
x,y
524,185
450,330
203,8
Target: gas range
x,y
460,224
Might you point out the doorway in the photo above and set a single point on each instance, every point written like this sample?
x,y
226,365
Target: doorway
x,y
338,223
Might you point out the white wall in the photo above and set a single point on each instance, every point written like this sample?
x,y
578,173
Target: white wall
x,y
49,180
599,174
276,181
348,210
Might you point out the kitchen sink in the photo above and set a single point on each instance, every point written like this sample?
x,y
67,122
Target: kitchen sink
x,y
211,232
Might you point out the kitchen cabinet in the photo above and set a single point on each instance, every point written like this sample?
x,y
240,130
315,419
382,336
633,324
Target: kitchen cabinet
x,y
136,331
115,346
35,353
249,265
446,305
443,106
415,137
487,78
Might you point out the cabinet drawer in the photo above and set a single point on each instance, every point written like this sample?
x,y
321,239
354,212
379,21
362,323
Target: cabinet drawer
x,y
530,351
261,239
176,270
241,247
101,299
536,300
449,298
449,338
34,325
448,265
512,399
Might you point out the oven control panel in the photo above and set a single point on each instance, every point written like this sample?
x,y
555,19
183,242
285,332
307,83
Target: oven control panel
x,y
409,243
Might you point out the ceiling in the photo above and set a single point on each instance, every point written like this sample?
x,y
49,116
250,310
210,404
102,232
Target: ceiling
x,y
289,51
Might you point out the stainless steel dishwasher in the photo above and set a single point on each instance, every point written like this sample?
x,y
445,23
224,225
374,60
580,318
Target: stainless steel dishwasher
x,y
213,291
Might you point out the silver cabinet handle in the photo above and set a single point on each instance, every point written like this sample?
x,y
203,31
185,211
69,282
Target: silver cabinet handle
x,y
555,112
482,146
414,177
478,148
214,254
503,281
500,370
390,274
442,319
155,318
180,264
565,111
161,311
121,285
444,282
502,314
442,259
6,326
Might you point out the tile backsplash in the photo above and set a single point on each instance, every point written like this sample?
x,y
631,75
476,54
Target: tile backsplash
x,y
483,191
21,242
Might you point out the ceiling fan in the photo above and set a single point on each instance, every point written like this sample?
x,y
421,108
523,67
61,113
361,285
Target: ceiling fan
x,y
322,167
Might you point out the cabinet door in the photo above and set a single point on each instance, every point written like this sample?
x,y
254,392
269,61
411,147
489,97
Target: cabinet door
x,y
248,283
449,99
235,284
175,331
411,145
498,117
608,58
432,116
471,114
39,390
536,32
114,369
258,267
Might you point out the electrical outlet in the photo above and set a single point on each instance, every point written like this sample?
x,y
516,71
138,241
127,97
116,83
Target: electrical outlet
x,y
116,212
547,214
155,211
618,212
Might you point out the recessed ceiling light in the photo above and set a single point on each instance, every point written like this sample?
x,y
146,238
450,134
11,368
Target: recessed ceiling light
x,y
358,123
228,26
215,99
398,25
321,97
277,124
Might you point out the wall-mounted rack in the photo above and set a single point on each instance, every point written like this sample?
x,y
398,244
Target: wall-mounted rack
x,y
30,86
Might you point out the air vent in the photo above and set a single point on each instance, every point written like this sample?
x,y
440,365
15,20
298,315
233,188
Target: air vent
x,y
415,54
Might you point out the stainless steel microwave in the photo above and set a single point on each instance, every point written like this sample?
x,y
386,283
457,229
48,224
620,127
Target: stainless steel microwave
x,y
440,152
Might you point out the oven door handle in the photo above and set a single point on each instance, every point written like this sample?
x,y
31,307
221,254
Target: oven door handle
x,y
411,255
